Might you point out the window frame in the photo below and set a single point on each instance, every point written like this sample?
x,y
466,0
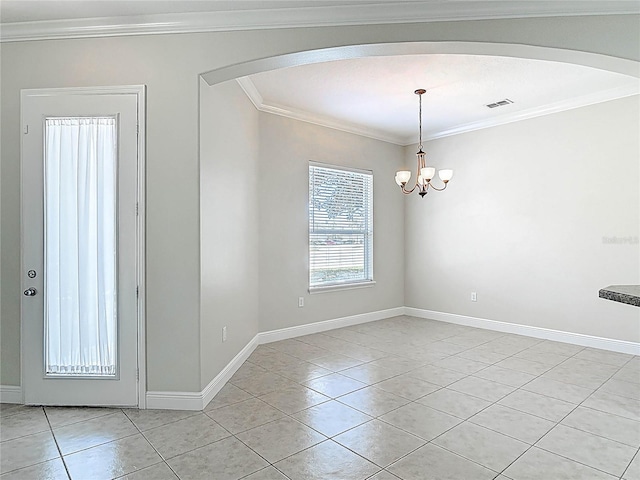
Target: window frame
x,y
368,236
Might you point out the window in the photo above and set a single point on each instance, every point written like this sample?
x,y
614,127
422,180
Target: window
x,y
340,227
80,253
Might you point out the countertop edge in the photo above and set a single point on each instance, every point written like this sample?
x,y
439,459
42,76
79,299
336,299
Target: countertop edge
x,y
629,294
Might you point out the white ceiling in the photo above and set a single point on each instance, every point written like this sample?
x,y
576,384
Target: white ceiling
x,y
375,95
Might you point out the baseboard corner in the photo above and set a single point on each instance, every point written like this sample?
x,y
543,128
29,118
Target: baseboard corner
x,y
199,400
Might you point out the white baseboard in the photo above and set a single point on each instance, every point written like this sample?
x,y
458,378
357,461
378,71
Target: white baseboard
x,y
611,344
10,394
323,326
227,372
174,400
199,400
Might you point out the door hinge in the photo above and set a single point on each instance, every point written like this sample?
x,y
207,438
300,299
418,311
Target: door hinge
x,y
137,209
137,292
137,374
25,129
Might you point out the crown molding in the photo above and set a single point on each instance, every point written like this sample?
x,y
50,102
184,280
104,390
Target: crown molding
x,y
597,97
256,98
370,14
548,109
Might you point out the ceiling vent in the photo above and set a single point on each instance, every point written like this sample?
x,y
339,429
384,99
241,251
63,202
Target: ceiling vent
x,y
501,103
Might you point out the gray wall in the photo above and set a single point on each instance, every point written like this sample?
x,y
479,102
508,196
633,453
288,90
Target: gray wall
x,y
286,147
169,65
228,224
523,221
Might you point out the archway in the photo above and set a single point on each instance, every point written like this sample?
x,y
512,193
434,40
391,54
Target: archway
x,y
603,62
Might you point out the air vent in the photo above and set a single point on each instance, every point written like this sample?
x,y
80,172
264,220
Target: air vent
x,y
501,103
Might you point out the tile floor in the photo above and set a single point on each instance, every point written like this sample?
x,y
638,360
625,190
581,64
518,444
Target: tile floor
x,y
402,398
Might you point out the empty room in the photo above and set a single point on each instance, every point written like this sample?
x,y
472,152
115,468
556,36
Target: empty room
x,y
320,240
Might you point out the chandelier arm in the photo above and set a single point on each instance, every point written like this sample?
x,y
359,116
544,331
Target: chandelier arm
x,y
436,188
405,191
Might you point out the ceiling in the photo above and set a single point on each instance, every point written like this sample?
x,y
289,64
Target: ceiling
x,y
375,95
370,96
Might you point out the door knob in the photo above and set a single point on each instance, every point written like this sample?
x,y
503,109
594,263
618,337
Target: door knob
x,y
30,292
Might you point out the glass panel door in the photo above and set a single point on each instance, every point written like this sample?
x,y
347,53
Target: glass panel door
x,y
79,243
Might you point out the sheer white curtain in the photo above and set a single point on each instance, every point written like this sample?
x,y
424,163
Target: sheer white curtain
x,y
80,246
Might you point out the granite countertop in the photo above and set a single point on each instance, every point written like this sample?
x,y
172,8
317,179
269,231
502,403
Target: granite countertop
x,y
629,294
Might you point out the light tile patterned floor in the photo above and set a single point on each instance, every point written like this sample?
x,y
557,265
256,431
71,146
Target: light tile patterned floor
x,y
402,398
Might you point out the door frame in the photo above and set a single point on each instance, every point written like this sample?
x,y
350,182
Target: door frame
x,y
140,92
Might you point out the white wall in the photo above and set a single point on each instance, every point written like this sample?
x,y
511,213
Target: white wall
x,y
169,65
228,224
523,221
286,147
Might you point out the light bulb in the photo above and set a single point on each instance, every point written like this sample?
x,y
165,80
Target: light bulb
x,y
445,175
428,172
403,176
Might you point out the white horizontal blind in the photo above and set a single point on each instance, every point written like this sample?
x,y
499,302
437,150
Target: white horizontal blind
x,y
340,226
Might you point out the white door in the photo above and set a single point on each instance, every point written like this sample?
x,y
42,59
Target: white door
x,y
79,209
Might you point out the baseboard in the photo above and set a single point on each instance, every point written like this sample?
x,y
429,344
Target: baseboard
x,y
611,344
10,394
227,372
323,326
174,400
199,400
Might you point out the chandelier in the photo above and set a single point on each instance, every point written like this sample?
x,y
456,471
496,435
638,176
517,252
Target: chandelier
x,y
424,174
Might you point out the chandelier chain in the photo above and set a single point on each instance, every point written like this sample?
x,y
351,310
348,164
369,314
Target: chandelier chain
x,y
420,115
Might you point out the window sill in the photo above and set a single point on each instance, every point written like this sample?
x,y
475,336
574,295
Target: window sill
x,y
343,286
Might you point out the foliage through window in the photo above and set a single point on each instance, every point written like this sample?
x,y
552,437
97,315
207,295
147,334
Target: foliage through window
x,y
340,225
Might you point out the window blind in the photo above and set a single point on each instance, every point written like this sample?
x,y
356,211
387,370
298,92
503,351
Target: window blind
x,y
340,226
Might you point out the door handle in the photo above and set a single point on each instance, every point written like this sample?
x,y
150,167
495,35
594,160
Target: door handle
x,y
30,292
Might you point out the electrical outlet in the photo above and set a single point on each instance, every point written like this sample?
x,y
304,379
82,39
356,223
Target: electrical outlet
x,y
474,297
224,334
300,302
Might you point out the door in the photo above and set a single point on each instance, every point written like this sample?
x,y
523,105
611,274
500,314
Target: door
x,y
79,243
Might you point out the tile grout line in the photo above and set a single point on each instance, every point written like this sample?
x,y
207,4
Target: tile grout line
x,y
64,463
637,455
390,354
560,421
472,374
488,406
152,446
556,423
414,401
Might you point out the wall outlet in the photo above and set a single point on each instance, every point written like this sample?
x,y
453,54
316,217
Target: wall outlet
x,y
474,297
300,302
224,334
